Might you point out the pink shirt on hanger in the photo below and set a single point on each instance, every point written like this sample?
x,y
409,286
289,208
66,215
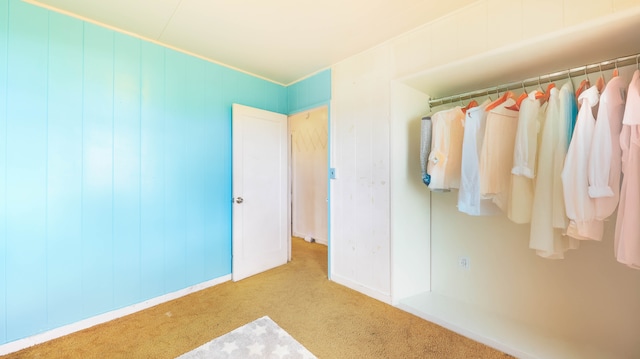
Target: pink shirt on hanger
x,y
605,159
627,237
496,156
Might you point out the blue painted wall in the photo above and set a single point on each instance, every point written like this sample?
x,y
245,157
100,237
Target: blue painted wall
x,y
115,168
311,92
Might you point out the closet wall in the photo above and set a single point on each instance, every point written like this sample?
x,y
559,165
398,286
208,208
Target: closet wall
x,y
410,199
505,276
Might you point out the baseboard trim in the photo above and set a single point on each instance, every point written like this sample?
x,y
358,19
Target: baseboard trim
x,y
373,293
40,338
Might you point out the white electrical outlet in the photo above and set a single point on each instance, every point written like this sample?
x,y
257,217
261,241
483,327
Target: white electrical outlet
x,y
464,263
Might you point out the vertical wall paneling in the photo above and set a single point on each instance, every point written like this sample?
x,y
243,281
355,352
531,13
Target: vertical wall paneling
x,y
504,22
311,92
97,176
152,184
540,14
175,168
126,170
216,141
117,154
379,105
26,141
413,51
576,12
344,147
195,146
64,173
4,23
360,239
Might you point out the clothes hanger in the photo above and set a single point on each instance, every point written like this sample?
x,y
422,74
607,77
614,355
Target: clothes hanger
x,y
539,92
615,70
508,94
584,84
547,93
600,80
516,106
470,105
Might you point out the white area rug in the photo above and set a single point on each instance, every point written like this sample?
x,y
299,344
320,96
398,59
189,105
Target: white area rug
x,y
262,338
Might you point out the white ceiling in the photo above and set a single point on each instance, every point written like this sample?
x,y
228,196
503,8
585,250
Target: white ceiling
x,y
281,40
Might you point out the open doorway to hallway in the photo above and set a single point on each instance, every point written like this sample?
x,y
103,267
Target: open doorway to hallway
x,y
309,177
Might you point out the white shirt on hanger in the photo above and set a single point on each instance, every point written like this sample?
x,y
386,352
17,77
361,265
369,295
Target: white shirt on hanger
x,y
575,175
524,160
446,149
545,236
469,200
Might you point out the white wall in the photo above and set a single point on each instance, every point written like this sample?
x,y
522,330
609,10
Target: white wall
x,y
587,293
360,243
309,139
410,198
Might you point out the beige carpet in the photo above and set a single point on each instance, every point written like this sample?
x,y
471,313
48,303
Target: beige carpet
x,y
328,319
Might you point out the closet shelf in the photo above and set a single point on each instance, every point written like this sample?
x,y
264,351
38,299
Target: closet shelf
x,y
593,42
518,339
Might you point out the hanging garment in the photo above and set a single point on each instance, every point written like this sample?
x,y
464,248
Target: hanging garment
x,y
606,155
568,112
627,237
425,148
545,236
579,205
524,160
469,200
446,149
496,156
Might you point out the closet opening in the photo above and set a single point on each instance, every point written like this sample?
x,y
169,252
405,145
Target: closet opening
x,y
517,296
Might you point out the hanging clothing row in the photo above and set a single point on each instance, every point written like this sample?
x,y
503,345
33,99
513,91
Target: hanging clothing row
x,y
551,158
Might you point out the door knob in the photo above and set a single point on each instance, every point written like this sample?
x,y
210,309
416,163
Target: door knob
x,y
239,200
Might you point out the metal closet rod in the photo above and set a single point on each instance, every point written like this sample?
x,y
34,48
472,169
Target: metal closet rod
x,y
560,75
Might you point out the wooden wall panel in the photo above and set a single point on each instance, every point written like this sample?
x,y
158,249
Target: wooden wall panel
x,y
117,181
152,183
26,177
360,199
64,170
126,171
97,176
4,30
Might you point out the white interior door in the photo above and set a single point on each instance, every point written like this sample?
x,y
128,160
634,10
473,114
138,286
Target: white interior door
x,y
260,199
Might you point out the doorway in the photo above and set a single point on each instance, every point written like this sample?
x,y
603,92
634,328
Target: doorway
x,y
309,161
